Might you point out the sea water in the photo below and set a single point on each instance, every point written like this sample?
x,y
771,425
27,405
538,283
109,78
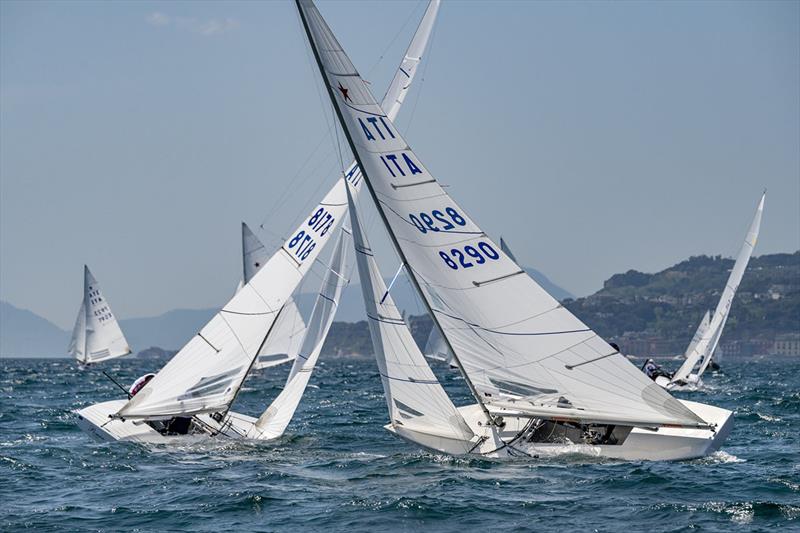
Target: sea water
x,y
337,469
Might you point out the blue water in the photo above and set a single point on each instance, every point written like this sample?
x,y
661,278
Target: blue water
x,y
337,469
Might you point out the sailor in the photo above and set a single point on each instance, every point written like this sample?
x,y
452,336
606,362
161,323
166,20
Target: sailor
x,y
653,370
140,383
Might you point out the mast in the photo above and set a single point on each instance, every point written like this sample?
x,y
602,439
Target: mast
x,y
384,219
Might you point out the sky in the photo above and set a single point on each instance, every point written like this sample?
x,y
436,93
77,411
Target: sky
x,y
595,137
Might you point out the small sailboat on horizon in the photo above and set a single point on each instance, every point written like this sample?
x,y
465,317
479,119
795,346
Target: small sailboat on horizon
x,y
703,346
96,335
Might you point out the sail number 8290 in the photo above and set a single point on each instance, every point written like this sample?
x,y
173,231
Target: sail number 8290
x,y
448,220
463,258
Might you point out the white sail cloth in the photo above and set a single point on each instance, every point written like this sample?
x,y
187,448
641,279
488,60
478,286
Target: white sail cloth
x,y
512,338
284,340
705,347
415,399
96,336
254,254
436,347
273,422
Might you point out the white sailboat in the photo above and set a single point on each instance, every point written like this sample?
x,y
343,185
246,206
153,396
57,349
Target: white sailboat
x,y
96,336
194,392
540,377
702,351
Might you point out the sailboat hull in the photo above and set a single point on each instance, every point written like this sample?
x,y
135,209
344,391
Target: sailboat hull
x,y
639,444
693,383
95,420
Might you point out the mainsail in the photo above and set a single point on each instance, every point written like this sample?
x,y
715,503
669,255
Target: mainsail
x,y
512,339
416,400
272,424
703,351
96,336
206,374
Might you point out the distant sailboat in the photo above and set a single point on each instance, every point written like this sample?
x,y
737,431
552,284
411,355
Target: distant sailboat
x,y
194,392
702,348
96,336
540,377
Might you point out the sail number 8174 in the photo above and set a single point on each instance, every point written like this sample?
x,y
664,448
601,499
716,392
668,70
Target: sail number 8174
x,y
462,258
303,243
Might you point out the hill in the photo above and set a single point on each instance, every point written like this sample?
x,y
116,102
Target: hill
x,y
26,334
657,314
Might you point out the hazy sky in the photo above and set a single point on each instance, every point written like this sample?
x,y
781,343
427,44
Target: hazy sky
x,y
597,137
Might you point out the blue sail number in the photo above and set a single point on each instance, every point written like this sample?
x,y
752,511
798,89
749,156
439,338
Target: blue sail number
x,y
469,256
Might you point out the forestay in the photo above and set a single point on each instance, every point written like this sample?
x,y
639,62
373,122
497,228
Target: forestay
x,y
415,399
272,424
96,336
705,347
512,338
206,374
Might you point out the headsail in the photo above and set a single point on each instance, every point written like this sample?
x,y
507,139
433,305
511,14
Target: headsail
x,y
284,339
272,424
705,347
512,338
96,336
416,400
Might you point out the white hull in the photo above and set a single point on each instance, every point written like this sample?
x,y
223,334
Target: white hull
x,y
95,421
640,444
693,383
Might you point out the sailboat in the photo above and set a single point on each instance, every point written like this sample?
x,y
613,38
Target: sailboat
x,y
541,379
704,343
96,336
194,392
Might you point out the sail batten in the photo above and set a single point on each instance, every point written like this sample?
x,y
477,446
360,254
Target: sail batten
x,y
422,221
